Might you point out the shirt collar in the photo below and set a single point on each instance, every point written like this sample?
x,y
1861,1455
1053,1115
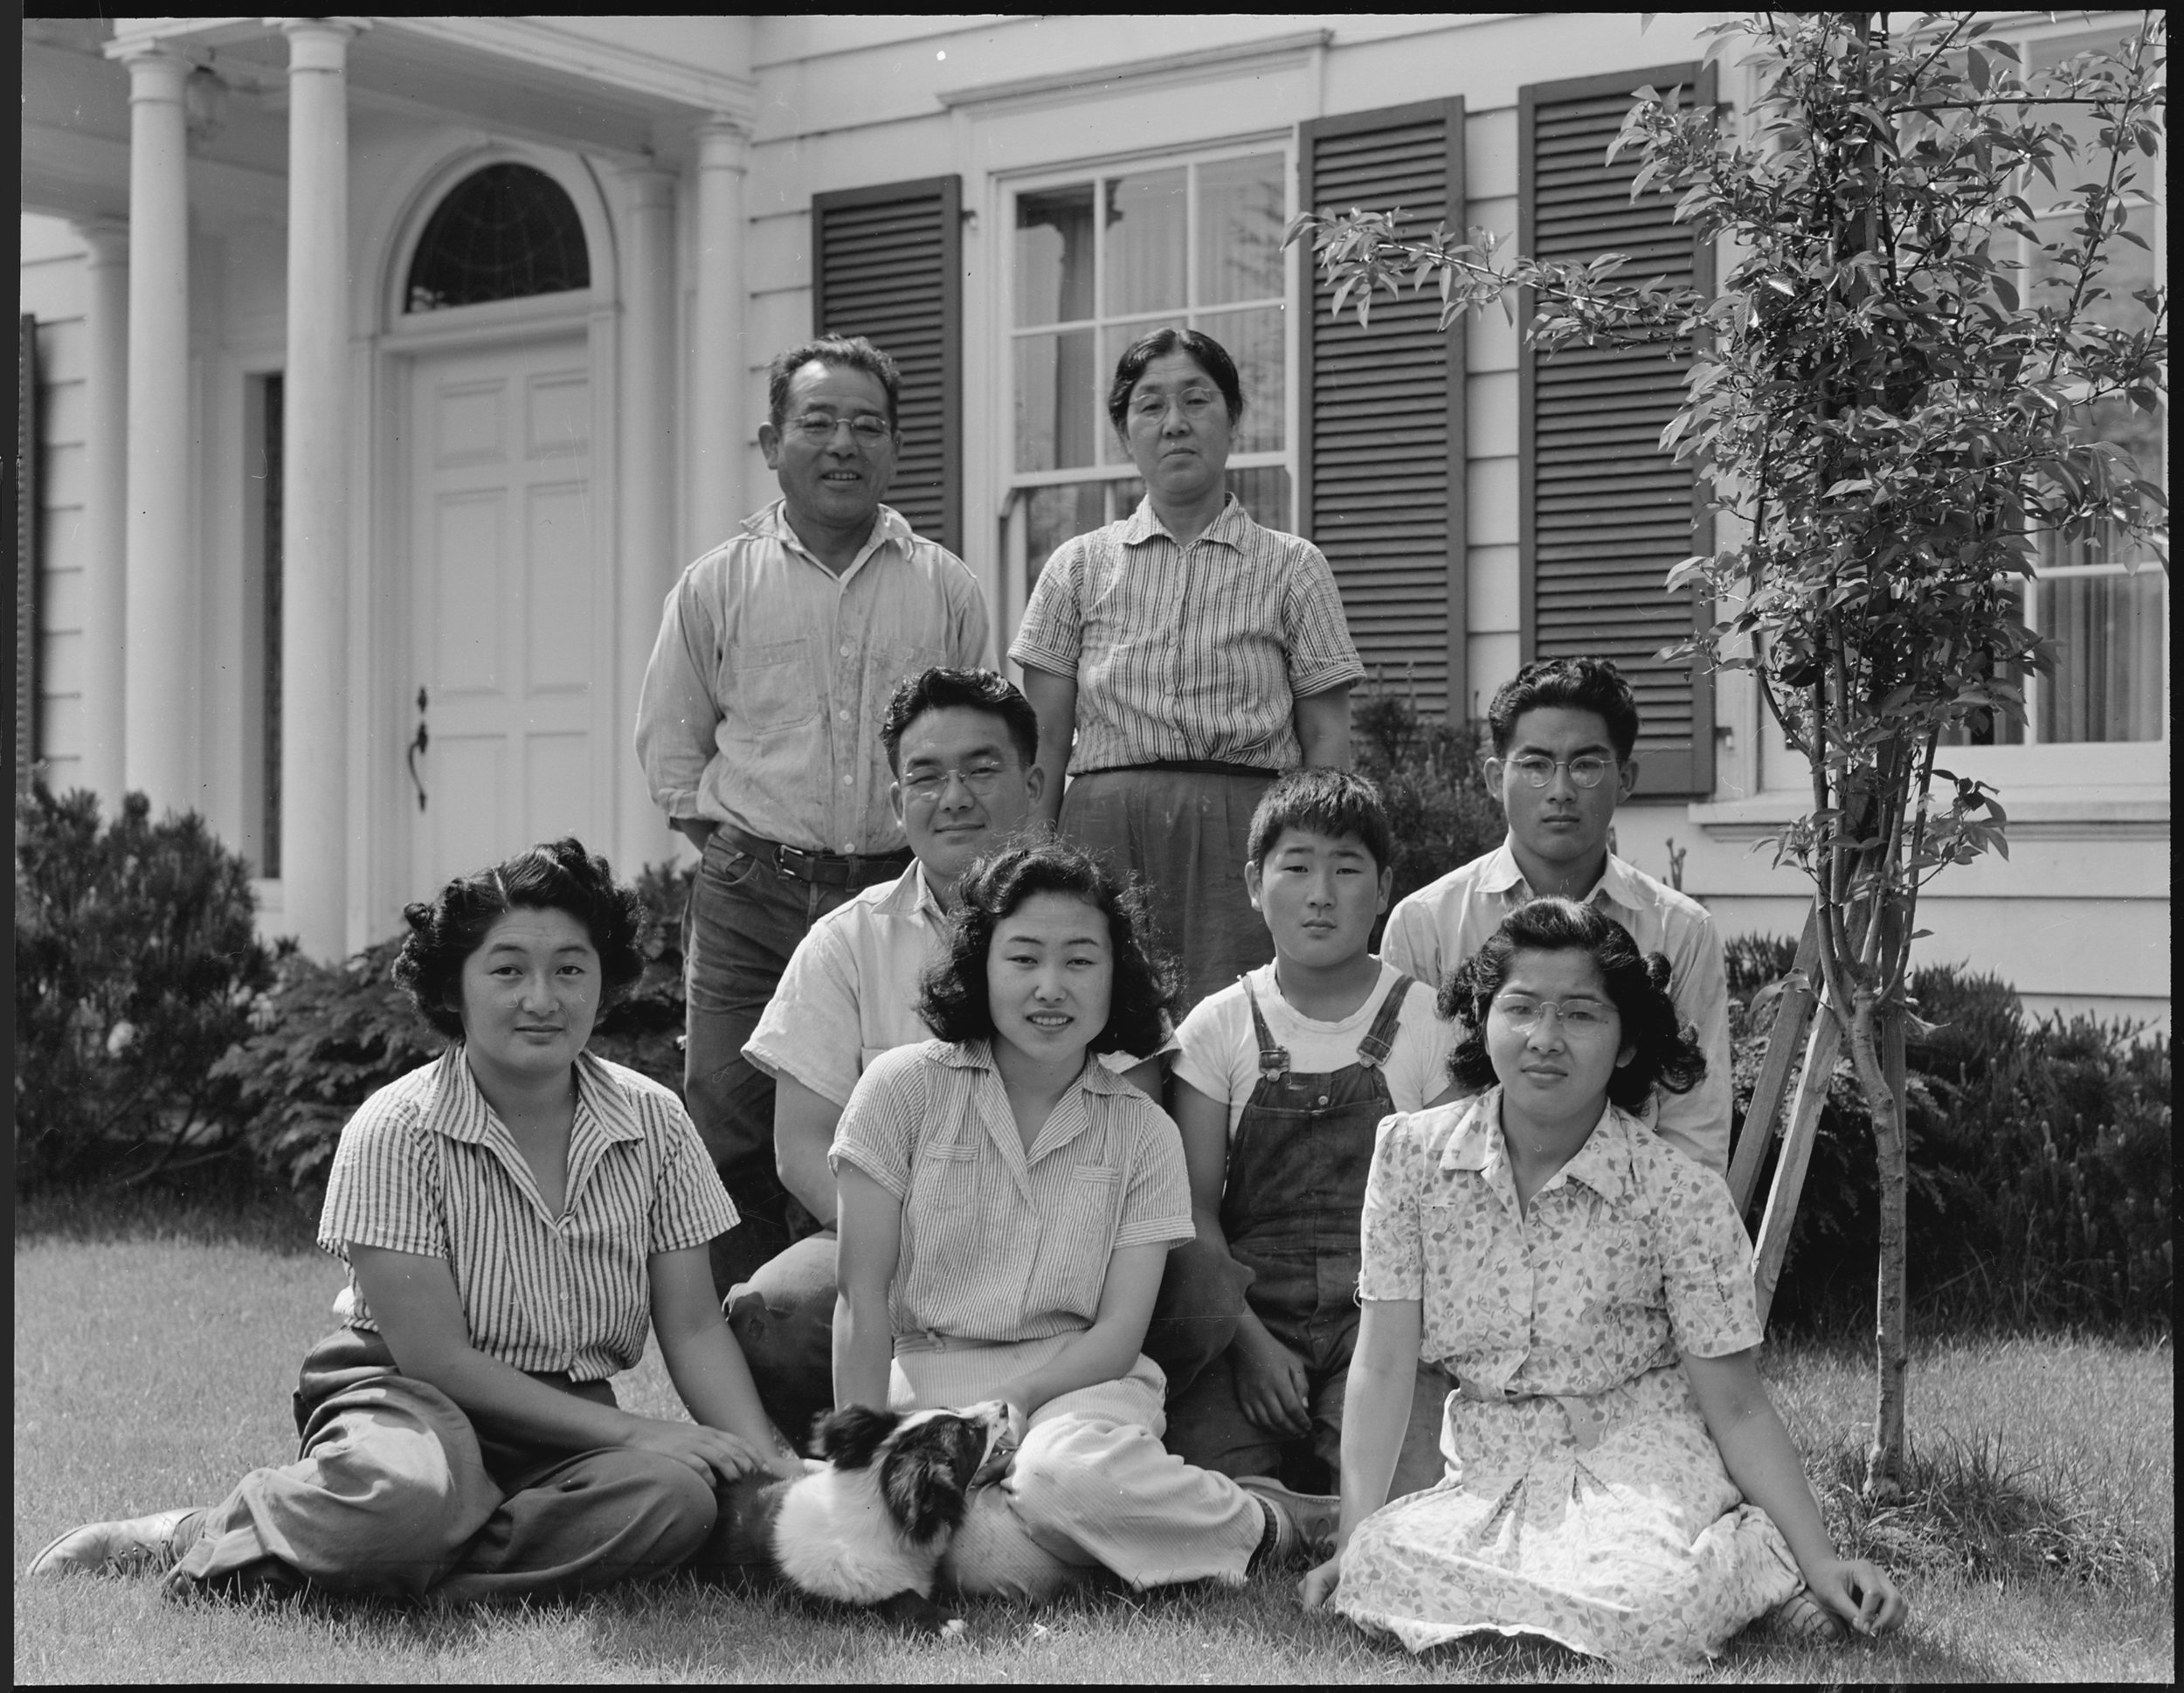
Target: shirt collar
x,y
1603,1163
771,523
457,1110
1618,881
1143,525
1094,1078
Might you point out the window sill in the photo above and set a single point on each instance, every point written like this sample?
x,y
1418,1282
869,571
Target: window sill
x,y
2141,812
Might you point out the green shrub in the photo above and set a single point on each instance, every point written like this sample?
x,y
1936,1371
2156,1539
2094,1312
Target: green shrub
x,y
136,958
1441,813
329,1036
2040,1163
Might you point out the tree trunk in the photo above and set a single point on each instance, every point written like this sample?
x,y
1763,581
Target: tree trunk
x,y
1877,1053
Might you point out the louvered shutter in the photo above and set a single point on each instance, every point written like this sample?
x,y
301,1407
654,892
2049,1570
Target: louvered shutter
x,y
887,263
24,490
1380,463
1604,514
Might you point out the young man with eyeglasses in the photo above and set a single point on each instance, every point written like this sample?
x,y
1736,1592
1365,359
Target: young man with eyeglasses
x,y
1565,732
777,653
963,746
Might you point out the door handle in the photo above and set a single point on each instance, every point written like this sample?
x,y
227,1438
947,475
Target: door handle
x,y
423,741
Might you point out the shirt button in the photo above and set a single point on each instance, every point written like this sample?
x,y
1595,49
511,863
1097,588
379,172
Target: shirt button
x,y
844,716
849,781
849,846
1323,1099
844,649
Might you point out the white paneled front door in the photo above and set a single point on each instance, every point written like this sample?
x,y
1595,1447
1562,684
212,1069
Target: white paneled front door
x,y
508,608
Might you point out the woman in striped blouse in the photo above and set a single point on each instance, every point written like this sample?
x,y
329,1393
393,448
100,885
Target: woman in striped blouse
x,y
1180,659
511,1215
1006,1204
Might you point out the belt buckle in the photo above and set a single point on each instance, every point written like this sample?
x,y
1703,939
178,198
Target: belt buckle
x,y
783,854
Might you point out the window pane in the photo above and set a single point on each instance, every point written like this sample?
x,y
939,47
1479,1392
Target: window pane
x,y
1254,342
2109,630
1240,230
1054,514
1053,255
1265,494
1054,401
1145,242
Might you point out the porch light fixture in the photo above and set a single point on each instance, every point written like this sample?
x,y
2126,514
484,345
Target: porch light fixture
x,y
203,104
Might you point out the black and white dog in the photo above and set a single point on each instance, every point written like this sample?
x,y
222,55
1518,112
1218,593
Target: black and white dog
x,y
871,1528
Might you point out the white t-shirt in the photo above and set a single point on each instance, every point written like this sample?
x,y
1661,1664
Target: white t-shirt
x,y
1220,1049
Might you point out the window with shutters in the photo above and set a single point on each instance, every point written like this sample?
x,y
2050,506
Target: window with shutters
x,y
1603,512
1101,259
888,265
1382,454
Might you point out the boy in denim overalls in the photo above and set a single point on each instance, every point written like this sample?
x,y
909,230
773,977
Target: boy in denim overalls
x,y
1281,1081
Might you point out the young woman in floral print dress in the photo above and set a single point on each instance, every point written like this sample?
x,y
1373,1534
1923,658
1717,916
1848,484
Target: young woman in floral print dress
x,y
1617,1480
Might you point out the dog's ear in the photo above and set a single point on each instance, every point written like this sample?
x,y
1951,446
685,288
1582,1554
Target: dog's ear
x,y
923,1478
848,1437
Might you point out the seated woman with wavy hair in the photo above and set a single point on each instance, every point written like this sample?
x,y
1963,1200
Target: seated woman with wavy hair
x,y
1006,1204
514,1215
1617,1479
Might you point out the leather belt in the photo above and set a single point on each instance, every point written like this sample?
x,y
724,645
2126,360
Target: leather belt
x,y
826,869
1190,767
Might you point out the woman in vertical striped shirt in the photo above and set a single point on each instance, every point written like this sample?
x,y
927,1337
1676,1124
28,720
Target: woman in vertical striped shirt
x,y
1192,654
512,1214
1006,1204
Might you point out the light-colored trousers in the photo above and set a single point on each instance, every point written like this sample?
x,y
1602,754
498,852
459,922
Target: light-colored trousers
x,y
1092,1488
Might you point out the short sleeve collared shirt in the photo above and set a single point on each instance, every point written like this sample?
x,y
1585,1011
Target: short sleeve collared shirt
x,y
426,1167
1188,653
850,992
1630,1257
1431,931
762,703
1000,1244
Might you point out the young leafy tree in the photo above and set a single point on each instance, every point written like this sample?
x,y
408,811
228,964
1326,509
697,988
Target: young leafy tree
x,y
1912,383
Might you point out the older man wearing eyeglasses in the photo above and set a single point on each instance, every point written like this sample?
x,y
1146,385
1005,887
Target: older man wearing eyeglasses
x,y
757,728
1565,735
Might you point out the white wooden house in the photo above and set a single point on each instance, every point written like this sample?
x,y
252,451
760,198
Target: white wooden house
x,y
389,369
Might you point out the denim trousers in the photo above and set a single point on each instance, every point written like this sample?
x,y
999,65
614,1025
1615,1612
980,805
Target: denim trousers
x,y
745,918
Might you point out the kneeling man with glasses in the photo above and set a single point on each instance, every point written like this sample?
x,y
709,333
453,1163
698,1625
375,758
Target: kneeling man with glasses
x,y
1565,731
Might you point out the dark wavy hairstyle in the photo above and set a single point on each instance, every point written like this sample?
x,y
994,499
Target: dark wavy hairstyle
x,y
952,996
1207,353
1578,684
1328,802
554,876
1667,1052
939,687
850,352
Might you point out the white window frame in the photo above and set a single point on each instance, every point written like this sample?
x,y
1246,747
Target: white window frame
x,y
1017,485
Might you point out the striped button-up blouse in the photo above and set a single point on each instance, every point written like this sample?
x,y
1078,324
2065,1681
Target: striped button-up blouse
x,y
1187,652
425,1166
998,1244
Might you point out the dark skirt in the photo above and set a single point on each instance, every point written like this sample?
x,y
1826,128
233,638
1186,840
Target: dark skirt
x,y
1184,835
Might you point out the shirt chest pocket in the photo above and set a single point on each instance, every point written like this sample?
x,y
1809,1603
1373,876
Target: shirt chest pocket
x,y
1079,1225
773,685
944,1198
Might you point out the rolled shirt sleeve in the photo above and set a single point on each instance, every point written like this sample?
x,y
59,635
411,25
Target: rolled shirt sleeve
x,y
677,707
879,1127
1705,1264
1392,1263
811,1029
1321,654
1157,1198
383,1188
1052,634
690,1206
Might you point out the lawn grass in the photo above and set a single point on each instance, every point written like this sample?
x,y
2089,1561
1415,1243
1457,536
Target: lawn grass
x,y
154,1359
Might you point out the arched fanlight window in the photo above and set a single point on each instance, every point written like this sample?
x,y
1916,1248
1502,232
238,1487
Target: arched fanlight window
x,y
503,232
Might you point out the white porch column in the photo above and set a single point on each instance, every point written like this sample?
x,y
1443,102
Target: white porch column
x,y
160,705
314,695
718,369
647,503
106,506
